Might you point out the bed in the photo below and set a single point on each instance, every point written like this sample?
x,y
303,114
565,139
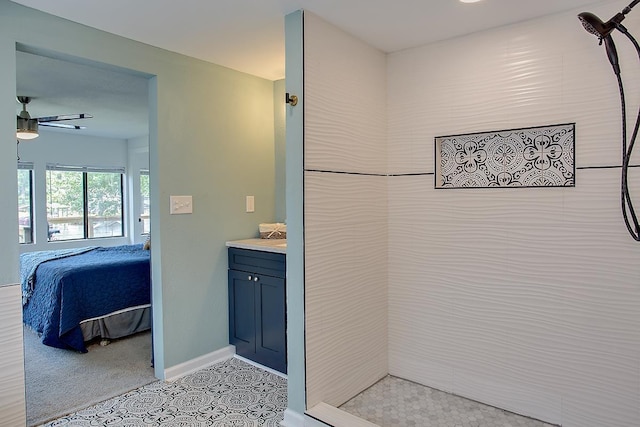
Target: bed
x,y
75,295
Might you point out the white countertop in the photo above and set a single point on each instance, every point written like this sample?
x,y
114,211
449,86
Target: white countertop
x,y
265,245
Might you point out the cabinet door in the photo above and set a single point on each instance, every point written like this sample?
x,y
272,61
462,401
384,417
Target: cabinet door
x,y
271,343
259,262
242,313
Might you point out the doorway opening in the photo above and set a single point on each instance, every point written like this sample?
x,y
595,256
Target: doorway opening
x,y
104,159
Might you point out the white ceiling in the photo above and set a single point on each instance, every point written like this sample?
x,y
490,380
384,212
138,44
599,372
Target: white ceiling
x,y
117,101
248,35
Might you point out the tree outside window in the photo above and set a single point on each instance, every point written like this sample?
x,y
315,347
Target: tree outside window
x,y
25,203
145,209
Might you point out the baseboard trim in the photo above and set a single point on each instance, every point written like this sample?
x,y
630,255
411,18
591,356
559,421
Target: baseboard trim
x,y
292,419
193,365
330,415
257,365
295,419
323,415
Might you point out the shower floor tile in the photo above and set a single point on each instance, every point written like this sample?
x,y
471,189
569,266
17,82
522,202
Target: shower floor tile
x,y
394,402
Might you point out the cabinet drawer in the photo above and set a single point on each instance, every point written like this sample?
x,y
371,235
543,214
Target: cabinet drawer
x,y
269,263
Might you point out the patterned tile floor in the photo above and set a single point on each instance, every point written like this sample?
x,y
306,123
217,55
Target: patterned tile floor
x,y
231,393
235,393
394,402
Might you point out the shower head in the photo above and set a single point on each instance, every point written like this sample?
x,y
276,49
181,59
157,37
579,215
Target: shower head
x,y
595,26
602,30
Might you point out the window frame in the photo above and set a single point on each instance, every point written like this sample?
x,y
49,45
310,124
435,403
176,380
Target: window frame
x,y
28,166
85,170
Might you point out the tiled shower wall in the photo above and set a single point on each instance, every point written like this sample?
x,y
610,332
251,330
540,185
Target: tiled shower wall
x,y
12,388
526,299
345,214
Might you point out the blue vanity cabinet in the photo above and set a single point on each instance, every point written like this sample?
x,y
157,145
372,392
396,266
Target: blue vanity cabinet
x,y
257,306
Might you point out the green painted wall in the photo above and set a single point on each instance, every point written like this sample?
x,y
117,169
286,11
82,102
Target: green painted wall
x,y
8,158
295,213
280,149
211,136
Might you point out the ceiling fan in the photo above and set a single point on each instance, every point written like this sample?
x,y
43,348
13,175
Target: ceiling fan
x,y
27,127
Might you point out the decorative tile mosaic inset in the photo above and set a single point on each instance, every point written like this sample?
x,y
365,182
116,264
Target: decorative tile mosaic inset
x,y
531,157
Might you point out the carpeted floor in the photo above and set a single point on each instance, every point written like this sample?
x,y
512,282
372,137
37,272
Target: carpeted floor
x,y
59,382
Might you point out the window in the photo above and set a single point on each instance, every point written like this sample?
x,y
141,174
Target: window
x,y
144,202
25,202
84,202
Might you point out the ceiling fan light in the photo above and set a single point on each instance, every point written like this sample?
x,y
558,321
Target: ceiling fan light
x,y
26,128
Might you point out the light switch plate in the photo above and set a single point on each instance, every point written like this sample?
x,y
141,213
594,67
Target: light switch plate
x,y
180,205
251,207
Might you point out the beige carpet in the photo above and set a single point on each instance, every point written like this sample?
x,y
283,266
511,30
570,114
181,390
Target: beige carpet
x,y
60,382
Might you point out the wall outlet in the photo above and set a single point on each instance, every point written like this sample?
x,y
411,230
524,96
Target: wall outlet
x,y
180,205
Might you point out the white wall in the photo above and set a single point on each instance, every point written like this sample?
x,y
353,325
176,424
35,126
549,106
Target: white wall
x,y
526,299
344,214
75,150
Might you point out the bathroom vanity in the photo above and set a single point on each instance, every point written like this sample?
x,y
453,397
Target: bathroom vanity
x,y
257,301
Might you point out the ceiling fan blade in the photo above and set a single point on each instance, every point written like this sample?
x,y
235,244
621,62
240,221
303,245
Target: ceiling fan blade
x,y
61,125
63,117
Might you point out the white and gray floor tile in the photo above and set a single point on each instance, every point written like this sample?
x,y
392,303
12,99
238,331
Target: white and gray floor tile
x,y
394,402
230,393
234,393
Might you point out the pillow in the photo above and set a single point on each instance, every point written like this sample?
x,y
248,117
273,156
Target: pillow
x,y
147,244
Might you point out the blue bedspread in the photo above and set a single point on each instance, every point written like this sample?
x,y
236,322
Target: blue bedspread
x,y
29,262
82,286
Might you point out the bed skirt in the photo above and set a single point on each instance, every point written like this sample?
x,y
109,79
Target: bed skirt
x,y
118,324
